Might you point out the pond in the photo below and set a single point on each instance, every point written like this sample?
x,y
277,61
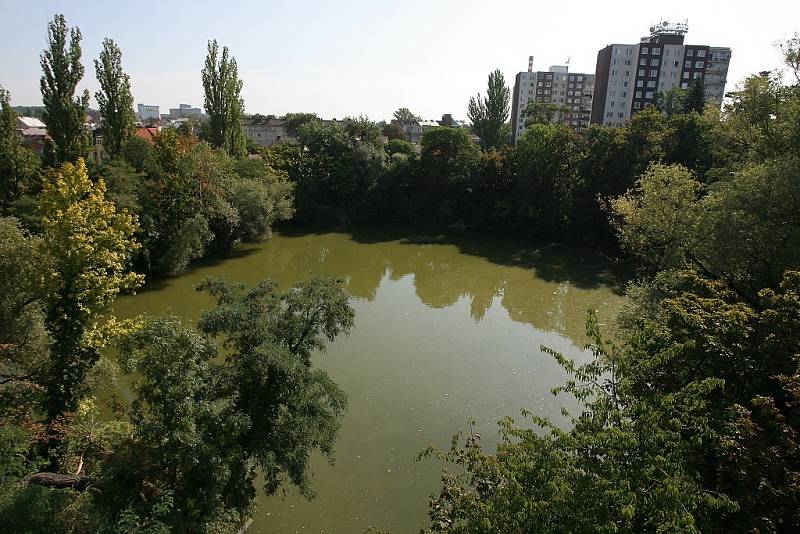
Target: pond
x,y
448,329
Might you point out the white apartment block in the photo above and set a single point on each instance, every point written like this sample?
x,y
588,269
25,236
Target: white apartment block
x,y
629,76
571,91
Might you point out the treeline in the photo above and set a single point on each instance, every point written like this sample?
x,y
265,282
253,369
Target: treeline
x,y
210,406
553,184
690,419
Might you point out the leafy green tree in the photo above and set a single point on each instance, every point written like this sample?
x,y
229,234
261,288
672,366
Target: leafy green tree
x,y
114,99
19,167
403,117
619,468
64,114
672,102
24,340
489,114
223,101
398,146
695,98
90,243
447,159
543,112
202,425
295,120
393,132
546,175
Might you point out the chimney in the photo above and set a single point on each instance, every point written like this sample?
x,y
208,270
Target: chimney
x,y
530,63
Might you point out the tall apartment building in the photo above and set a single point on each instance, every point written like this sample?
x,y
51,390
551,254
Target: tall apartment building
x,y
148,112
629,76
571,91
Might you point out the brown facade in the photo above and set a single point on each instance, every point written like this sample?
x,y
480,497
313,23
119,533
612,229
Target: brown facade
x,y
601,84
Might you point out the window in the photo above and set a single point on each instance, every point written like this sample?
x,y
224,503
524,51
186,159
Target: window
x,y
701,53
648,94
689,52
641,72
612,104
697,75
643,61
684,85
624,94
653,73
580,78
651,84
624,84
540,84
685,75
627,61
610,114
636,105
639,83
615,73
687,64
677,62
656,51
620,115
571,78
654,62
645,50
698,64
627,73
638,94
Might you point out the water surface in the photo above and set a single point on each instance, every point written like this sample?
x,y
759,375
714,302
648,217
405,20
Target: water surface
x,y
448,328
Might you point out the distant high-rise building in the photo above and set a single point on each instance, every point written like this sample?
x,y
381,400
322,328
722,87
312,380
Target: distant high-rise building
x,y
148,112
185,111
571,93
629,76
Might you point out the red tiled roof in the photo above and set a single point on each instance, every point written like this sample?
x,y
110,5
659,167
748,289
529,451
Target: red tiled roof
x,y
147,134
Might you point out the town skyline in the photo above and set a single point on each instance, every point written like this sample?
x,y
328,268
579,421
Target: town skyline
x,y
328,69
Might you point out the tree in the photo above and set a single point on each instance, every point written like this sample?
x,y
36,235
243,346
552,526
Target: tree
x,y
546,176
695,99
398,146
24,340
490,113
114,99
90,243
203,426
19,168
672,102
295,120
64,114
223,101
393,131
619,468
543,112
404,117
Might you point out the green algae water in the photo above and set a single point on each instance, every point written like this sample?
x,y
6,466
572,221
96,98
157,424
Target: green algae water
x,y
448,329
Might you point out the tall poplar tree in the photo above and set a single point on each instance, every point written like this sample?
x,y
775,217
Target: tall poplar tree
x,y
223,101
489,114
64,113
114,98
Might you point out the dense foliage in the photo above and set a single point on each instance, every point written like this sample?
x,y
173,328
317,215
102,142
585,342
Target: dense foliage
x,y
553,184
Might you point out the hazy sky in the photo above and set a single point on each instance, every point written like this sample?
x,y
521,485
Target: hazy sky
x,y
369,57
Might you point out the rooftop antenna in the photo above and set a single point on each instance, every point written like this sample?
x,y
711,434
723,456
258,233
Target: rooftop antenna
x,y
530,63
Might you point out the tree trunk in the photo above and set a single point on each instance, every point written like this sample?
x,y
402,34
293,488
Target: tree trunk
x,y
58,480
